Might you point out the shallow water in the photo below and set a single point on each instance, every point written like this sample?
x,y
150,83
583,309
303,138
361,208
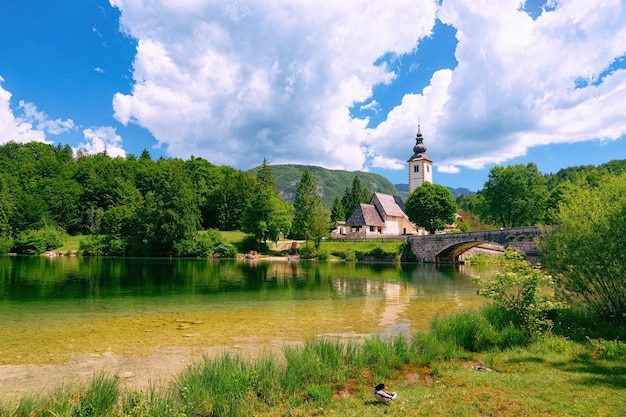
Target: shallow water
x,y
53,309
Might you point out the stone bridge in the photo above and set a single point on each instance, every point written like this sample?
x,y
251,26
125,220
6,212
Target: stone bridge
x,y
447,248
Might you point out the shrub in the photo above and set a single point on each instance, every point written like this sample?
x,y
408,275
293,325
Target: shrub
x,y
306,252
6,243
93,245
587,249
210,243
349,255
97,245
522,289
377,252
34,242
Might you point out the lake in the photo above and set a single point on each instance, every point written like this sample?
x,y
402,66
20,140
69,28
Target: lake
x,y
66,317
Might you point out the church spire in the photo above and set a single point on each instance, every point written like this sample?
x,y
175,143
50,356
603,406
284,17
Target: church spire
x,y
420,165
419,147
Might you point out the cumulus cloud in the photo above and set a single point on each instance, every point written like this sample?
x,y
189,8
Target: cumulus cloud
x,y
41,122
28,124
238,81
101,139
515,86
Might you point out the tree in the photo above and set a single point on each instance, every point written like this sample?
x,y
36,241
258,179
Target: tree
x,y
354,196
431,206
266,175
169,216
230,199
514,196
267,215
310,217
337,214
587,248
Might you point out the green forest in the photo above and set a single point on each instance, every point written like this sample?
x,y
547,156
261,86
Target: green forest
x,y
137,206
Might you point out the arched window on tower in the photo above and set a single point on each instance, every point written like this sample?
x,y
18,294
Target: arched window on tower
x,y
416,168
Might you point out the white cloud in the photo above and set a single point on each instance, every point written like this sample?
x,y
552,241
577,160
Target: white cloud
x,y
41,121
514,86
448,169
29,124
101,139
237,82
372,105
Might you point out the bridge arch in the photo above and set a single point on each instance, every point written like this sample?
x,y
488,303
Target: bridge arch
x,y
449,247
454,252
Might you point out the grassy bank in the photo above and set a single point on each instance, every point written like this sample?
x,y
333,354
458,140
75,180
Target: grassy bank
x,y
468,364
337,250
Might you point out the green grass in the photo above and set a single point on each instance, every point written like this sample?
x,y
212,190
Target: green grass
x,y
362,246
71,243
233,237
336,249
329,249
434,373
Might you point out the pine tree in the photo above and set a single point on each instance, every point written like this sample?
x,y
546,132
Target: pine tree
x,y
310,217
337,214
266,174
354,196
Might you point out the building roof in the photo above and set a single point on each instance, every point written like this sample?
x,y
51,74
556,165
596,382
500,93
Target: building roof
x,y
365,215
388,205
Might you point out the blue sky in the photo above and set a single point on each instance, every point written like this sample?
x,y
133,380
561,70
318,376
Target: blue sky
x,y
336,84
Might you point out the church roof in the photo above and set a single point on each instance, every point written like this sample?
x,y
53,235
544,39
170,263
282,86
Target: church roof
x,y
365,215
418,156
388,204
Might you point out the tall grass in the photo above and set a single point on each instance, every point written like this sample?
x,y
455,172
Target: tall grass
x,y
97,398
308,377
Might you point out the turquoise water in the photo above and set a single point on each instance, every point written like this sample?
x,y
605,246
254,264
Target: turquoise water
x,y
54,307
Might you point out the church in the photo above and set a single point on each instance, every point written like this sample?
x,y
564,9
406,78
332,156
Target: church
x,y
384,215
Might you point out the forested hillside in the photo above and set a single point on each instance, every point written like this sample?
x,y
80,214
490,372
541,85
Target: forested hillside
x,y
141,207
403,189
586,173
131,206
520,195
330,183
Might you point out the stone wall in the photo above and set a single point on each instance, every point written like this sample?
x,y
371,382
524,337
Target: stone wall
x,y
448,247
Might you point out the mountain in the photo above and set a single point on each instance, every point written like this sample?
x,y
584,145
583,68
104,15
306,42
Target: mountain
x,y
330,183
403,189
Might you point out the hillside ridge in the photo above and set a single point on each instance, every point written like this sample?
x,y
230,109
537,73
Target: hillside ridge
x,y
331,182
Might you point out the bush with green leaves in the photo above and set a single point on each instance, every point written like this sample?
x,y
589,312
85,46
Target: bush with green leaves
x,y
522,289
587,248
6,243
35,242
210,243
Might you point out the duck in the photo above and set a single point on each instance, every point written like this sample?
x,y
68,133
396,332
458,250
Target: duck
x,y
382,395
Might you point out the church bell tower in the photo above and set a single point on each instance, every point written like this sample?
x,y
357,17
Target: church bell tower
x,y
420,165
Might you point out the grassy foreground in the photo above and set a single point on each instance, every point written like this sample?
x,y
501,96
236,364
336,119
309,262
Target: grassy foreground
x,y
435,373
